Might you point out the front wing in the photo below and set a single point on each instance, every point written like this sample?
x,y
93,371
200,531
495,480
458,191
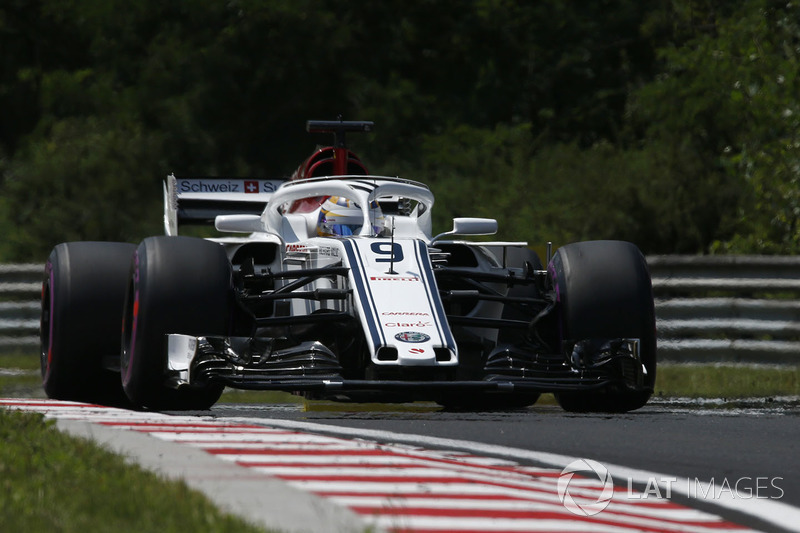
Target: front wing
x,y
310,367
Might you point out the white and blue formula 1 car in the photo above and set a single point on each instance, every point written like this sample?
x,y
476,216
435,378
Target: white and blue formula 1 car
x,y
335,287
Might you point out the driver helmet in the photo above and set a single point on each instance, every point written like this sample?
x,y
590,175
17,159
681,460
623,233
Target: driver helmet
x,y
339,217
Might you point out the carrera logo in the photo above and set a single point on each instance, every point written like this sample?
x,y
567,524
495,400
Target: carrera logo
x,y
387,278
412,336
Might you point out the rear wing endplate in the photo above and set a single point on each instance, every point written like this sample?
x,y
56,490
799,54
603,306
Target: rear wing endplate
x,y
199,200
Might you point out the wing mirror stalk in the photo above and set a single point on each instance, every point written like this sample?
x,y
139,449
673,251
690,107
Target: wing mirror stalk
x,y
470,226
239,223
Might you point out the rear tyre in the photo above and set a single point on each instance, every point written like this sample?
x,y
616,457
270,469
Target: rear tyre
x,y
83,292
177,285
604,292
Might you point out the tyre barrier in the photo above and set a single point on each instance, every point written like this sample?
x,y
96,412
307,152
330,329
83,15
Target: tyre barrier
x,y
20,307
727,309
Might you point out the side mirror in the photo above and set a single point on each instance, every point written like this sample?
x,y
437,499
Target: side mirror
x,y
239,223
470,226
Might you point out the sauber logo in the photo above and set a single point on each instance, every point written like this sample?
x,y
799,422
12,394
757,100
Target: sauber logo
x,y
325,251
416,351
393,278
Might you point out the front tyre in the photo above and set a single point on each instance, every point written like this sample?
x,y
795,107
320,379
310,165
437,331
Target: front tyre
x,y
604,292
82,298
177,285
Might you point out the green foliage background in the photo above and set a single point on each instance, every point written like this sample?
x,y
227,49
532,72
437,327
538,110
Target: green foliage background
x,y
672,123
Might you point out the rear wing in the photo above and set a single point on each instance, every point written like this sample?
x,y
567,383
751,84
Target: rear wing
x,y
199,200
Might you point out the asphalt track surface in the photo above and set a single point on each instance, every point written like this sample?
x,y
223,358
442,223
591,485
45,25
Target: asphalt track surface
x,y
754,444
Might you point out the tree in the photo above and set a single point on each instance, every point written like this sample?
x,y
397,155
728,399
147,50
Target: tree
x,y
71,187
725,106
568,102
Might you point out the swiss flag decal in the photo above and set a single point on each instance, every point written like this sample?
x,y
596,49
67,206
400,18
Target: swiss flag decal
x,y
251,186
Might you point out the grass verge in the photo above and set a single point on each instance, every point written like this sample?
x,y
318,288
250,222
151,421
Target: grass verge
x,y
54,482
726,381
241,396
19,360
